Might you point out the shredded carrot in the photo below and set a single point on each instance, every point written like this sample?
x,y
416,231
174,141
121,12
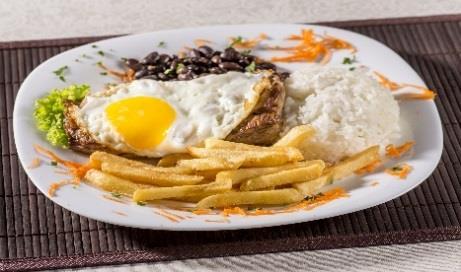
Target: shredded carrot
x,y
369,168
260,212
397,151
36,162
169,217
120,213
233,210
239,42
201,211
312,47
400,171
425,93
111,198
76,169
318,200
201,42
125,76
56,185
374,183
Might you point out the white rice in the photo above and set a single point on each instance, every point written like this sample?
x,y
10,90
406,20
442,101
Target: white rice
x,y
349,109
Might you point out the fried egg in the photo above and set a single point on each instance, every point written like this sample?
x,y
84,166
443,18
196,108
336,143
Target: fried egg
x,y
154,118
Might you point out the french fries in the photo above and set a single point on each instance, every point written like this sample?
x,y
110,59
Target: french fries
x,y
296,136
272,197
251,158
149,176
239,175
172,159
284,177
221,174
111,183
204,164
340,170
293,153
181,191
98,157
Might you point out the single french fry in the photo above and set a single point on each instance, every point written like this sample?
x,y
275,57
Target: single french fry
x,y
172,159
149,176
98,157
341,170
296,136
284,177
239,175
110,183
251,158
203,164
181,191
293,153
272,197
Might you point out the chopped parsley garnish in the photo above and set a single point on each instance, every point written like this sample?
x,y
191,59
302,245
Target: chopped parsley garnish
x,y
396,168
246,52
348,60
115,194
179,67
86,56
237,40
161,44
54,163
99,63
101,53
94,46
168,71
251,68
141,203
103,73
60,72
352,69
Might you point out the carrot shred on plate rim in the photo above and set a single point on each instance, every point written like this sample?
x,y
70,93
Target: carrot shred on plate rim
x,y
400,171
395,152
425,93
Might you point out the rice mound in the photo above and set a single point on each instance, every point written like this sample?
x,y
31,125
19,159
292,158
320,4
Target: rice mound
x,y
350,110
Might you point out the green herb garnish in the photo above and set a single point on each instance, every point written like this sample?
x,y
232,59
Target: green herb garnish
x,y
60,72
54,163
179,67
49,112
101,53
251,68
86,56
94,46
237,40
169,71
103,73
141,203
161,44
352,69
246,52
348,60
396,168
116,195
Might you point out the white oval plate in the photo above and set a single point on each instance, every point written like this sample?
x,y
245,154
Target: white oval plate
x,y
421,118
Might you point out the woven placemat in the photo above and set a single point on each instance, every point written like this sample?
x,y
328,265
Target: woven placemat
x,y
37,234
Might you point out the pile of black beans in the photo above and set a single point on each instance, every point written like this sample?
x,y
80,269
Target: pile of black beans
x,y
199,62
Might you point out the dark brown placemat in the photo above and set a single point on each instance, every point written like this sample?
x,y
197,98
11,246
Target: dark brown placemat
x,y
36,234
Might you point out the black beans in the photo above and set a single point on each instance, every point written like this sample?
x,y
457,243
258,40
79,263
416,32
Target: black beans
x,y
199,62
232,66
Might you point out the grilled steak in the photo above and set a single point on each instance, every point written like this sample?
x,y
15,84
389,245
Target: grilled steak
x,y
261,127
264,124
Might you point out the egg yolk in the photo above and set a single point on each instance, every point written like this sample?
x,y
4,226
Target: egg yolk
x,y
143,122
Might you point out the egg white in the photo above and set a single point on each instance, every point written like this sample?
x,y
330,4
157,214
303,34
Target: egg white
x,y
209,106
